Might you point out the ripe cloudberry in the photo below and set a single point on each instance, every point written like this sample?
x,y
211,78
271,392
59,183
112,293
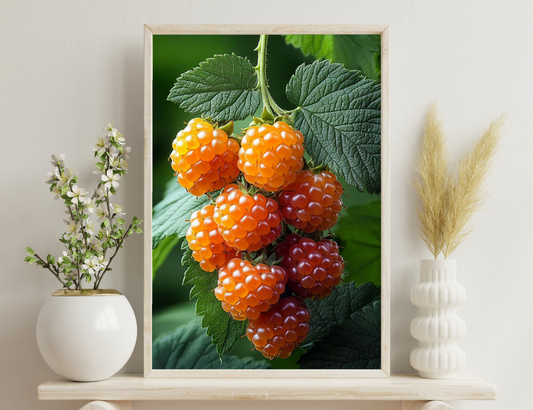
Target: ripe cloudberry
x,y
276,333
207,244
271,155
246,290
312,202
204,159
314,268
247,223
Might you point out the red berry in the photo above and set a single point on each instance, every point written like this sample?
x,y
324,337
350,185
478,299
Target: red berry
x,y
271,155
207,244
247,223
279,331
204,159
312,202
246,290
314,268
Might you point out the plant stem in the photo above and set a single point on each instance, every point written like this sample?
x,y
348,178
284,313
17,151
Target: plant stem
x,y
52,269
97,283
268,101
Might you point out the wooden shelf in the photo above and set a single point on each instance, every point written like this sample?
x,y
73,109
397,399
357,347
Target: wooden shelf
x,y
397,387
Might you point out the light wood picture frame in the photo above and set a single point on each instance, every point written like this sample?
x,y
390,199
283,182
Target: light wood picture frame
x,y
165,29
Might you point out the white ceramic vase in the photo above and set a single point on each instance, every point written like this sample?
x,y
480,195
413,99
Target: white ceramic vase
x,y
437,327
86,336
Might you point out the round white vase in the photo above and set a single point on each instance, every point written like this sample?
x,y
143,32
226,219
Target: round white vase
x,y
437,327
86,335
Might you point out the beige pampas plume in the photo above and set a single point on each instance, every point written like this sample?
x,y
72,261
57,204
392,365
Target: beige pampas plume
x,y
449,201
433,166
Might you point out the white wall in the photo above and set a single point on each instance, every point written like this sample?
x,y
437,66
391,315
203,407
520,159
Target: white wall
x,y
68,67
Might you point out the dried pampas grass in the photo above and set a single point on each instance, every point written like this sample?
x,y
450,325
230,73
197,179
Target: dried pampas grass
x,y
449,201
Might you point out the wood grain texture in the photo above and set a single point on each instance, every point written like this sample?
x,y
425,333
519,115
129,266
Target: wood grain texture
x,y
383,30
170,29
147,316
385,204
397,387
108,405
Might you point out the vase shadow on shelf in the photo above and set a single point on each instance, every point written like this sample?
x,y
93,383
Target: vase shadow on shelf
x,y
437,327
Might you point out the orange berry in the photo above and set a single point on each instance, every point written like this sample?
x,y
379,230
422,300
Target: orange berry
x,y
246,290
247,223
312,202
271,155
206,242
277,332
204,159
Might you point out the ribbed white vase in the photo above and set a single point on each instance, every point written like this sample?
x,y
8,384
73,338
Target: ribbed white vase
x,y
437,327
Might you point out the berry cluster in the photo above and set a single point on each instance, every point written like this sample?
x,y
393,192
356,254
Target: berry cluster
x,y
264,270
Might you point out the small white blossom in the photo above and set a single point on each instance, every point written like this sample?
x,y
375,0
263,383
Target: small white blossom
x,y
64,257
52,176
72,227
120,138
89,228
101,145
91,265
101,260
95,244
66,176
100,194
126,151
114,152
90,205
111,132
101,214
57,191
110,179
119,163
77,194
117,209
58,161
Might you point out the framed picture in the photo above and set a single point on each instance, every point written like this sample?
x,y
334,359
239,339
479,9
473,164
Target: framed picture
x,y
266,201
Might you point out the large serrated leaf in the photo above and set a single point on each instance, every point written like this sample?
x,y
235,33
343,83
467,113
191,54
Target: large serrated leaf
x,y
223,329
222,87
189,348
171,215
360,52
354,343
359,236
337,307
340,117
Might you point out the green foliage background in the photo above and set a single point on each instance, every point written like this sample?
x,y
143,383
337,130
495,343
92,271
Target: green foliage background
x,y
173,55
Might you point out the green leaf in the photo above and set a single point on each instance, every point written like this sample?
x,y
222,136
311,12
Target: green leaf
x,y
340,117
354,343
359,237
222,87
168,319
30,251
223,329
121,221
337,307
160,253
358,52
171,215
29,259
189,348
